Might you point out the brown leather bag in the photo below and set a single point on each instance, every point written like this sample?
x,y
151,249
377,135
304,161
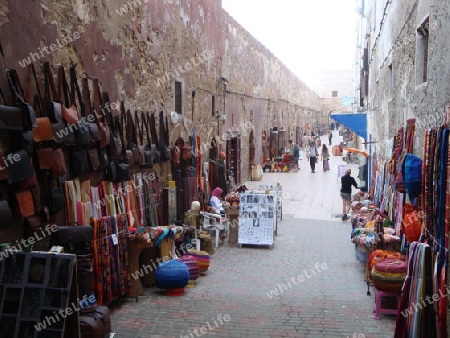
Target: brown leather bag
x,y
105,134
26,203
68,109
94,132
95,322
52,160
93,159
3,167
115,145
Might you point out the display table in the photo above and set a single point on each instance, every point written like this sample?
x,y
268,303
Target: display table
x,y
233,217
135,248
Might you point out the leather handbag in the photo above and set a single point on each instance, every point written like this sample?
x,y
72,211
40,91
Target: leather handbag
x,y
95,322
163,147
3,167
27,113
93,159
75,239
131,138
10,117
43,131
123,172
6,219
82,131
68,108
20,169
56,196
51,105
111,172
94,132
45,158
115,145
61,131
148,162
105,134
59,168
80,163
26,203
155,143
52,160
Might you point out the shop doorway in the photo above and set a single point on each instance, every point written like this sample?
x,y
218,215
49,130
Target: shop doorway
x,y
234,158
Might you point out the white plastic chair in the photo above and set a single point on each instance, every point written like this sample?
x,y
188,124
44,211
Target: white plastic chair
x,y
214,222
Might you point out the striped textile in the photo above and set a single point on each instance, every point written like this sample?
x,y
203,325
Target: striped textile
x,y
427,179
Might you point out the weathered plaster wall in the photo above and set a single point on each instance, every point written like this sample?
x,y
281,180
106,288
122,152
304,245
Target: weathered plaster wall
x,y
274,95
391,103
137,49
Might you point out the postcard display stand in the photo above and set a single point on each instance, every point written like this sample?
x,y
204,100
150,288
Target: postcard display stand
x,y
257,218
275,189
34,287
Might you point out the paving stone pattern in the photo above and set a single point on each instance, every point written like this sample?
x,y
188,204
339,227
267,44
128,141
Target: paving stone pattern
x,y
236,298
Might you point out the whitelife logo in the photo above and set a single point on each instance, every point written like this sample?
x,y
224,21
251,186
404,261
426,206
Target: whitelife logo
x,y
281,287
60,43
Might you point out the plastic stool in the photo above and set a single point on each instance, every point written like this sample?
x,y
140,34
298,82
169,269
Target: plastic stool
x,y
379,310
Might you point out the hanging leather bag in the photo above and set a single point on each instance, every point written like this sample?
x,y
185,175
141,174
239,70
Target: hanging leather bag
x,y
68,108
27,113
115,145
148,144
94,132
53,160
105,134
82,131
155,143
164,148
6,218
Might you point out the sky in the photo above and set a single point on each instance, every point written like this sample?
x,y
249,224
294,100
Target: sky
x,y
306,35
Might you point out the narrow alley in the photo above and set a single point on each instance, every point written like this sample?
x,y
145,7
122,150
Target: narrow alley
x,y
253,285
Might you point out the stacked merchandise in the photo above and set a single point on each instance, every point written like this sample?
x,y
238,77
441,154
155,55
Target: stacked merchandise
x,y
77,165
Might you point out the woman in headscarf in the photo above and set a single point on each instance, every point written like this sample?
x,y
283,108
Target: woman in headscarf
x,y
215,202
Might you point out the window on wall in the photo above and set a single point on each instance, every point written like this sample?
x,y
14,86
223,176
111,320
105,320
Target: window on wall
x,y
334,93
422,38
391,81
213,105
178,97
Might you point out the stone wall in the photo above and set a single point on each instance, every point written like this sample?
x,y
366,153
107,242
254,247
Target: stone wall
x,y
394,92
137,49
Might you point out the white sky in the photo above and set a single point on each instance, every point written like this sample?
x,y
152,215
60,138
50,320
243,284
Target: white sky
x,y
306,35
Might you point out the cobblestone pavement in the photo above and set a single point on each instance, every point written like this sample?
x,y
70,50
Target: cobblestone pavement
x,y
250,291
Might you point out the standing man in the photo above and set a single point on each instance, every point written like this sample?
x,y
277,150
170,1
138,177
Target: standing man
x,y
346,192
312,155
330,136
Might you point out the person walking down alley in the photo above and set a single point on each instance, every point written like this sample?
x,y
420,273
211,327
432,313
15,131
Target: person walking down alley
x,y
296,153
312,155
346,192
325,158
330,136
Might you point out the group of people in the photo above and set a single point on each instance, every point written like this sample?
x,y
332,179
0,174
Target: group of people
x,y
313,156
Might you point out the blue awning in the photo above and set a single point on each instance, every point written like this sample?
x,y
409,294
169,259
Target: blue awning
x,y
355,122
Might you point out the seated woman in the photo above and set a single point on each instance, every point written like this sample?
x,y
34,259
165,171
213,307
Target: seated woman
x,y
192,218
216,204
